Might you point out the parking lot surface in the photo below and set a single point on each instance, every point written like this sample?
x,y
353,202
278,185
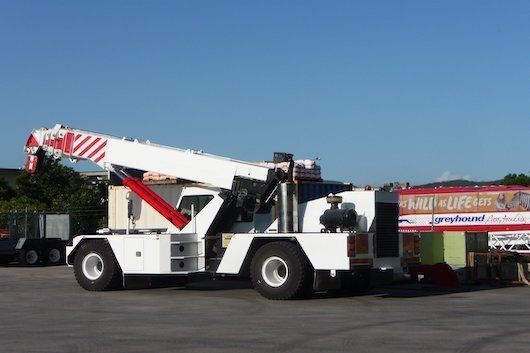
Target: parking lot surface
x,y
44,310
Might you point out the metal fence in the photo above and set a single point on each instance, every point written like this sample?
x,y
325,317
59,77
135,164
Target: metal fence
x,y
36,225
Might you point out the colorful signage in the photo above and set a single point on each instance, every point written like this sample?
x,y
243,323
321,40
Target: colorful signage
x,y
469,209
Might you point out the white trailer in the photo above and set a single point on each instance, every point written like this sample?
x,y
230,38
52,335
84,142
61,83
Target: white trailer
x,y
232,218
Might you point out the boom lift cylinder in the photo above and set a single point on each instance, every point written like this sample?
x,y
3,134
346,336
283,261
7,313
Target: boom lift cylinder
x,y
155,201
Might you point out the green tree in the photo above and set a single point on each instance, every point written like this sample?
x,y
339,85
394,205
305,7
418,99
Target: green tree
x,y
6,191
516,179
60,189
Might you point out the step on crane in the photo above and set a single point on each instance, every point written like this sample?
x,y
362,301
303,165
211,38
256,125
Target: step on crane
x,y
345,241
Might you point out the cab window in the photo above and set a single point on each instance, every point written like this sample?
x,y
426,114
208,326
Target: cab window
x,y
198,202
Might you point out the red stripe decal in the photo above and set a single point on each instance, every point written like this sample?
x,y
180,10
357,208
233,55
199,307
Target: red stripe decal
x,y
99,158
77,137
32,141
89,146
97,149
59,143
68,143
78,146
468,228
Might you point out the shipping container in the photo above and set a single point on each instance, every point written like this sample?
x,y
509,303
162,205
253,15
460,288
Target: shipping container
x,y
144,216
308,191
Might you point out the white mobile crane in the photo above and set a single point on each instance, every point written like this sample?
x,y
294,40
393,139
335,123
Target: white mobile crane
x,y
244,220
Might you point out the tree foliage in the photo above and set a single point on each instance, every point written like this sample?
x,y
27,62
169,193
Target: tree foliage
x,y
516,179
58,189
6,191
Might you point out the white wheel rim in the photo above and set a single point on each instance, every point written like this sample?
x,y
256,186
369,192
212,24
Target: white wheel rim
x,y
274,271
32,257
92,266
54,255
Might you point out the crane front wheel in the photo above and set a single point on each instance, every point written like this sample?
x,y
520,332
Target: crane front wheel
x,y
96,268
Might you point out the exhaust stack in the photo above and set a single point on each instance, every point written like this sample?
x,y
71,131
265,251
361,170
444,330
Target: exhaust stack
x,y
287,203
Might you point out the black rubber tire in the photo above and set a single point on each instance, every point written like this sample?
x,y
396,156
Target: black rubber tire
x,y
110,278
47,255
23,260
299,282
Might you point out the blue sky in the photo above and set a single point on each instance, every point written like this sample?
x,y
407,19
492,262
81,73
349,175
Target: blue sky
x,y
379,90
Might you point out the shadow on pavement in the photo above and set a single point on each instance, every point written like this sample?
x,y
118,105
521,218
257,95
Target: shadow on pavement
x,y
401,290
219,284
407,290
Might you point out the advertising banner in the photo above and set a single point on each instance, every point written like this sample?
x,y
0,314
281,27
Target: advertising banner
x,y
469,209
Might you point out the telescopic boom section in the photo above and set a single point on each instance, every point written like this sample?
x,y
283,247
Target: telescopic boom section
x,y
108,151
111,153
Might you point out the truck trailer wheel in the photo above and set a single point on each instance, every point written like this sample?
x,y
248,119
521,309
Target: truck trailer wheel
x,y
96,268
280,271
54,255
29,257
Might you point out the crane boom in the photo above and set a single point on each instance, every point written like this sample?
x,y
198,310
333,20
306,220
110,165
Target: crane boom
x,y
109,151
248,183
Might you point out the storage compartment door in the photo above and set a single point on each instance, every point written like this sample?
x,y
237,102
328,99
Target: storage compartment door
x,y
133,254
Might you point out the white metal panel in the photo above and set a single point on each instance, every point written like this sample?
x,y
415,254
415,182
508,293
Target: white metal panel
x,y
133,254
156,255
164,257
183,164
325,251
117,245
152,254
235,253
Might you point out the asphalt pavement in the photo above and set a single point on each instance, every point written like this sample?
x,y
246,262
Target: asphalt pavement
x,y
44,310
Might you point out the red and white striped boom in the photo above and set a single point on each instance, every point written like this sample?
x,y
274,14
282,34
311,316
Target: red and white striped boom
x,y
109,151
114,154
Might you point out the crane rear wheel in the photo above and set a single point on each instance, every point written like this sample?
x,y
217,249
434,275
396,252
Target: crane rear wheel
x,y
280,271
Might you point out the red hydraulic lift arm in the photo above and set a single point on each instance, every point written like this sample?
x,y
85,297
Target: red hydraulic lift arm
x,y
155,201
